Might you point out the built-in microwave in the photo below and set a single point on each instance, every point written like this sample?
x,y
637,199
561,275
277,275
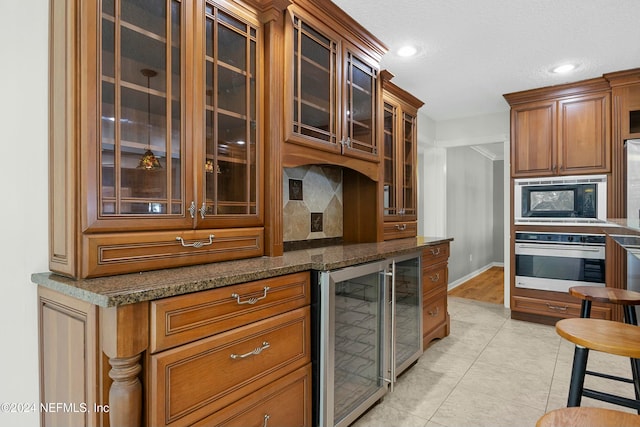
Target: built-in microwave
x,y
570,199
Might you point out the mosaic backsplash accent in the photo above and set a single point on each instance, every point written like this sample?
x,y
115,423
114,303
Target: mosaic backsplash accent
x,y
321,191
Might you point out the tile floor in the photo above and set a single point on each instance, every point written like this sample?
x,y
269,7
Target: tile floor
x,y
490,371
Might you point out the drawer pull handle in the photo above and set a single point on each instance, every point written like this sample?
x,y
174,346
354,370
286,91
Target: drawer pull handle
x,y
434,313
401,227
266,420
196,244
435,251
435,278
253,352
557,307
250,300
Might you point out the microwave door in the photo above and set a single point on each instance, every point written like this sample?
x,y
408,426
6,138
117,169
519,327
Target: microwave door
x,y
633,178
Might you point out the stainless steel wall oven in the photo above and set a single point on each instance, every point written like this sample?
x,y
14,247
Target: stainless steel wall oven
x,y
557,261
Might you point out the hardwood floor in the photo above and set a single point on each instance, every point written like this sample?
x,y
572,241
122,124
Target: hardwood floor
x,y
487,286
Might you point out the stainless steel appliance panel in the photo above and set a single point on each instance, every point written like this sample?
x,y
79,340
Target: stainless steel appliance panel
x,y
558,261
406,319
353,362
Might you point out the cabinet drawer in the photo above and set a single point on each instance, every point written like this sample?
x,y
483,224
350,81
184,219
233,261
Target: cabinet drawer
x,y
434,277
400,230
191,382
556,308
434,312
435,254
286,402
181,319
108,254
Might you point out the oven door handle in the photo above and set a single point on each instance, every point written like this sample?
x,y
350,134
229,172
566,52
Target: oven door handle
x,y
559,247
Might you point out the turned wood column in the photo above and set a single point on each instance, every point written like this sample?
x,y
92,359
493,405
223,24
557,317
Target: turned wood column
x,y
125,336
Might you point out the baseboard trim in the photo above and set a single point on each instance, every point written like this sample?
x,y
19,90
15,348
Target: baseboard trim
x,y
473,274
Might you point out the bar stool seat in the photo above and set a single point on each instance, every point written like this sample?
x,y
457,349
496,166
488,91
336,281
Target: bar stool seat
x,y
588,294
588,417
601,335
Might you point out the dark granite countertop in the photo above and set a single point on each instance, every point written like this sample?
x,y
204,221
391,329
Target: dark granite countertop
x,y
150,285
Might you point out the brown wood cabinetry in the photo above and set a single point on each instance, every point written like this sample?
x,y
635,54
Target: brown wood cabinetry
x,y
226,356
399,154
561,130
332,89
435,317
156,135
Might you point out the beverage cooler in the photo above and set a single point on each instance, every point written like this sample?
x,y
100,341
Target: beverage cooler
x,y
367,330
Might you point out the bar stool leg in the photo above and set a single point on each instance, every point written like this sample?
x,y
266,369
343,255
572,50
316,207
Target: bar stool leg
x,y
585,309
578,370
631,319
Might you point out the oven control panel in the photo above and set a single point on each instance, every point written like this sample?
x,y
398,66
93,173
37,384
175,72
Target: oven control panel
x,y
564,238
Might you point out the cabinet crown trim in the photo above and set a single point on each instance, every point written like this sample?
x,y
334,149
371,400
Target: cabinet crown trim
x,y
583,87
349,25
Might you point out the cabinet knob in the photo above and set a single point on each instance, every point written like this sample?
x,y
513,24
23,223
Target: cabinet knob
x,y
203,210
192,209
401,227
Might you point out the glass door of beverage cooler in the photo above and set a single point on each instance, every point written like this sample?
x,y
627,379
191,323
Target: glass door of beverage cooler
x,y
352,342
406,304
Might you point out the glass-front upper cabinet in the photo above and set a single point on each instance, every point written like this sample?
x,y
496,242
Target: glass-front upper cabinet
x,y
141,110
409,151
333,89
155,111
360,96
230,108
400,139
390,124
145,171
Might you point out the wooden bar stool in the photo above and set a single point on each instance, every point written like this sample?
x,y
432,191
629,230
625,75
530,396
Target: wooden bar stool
x,y
600,335
588,294
588,417
627,299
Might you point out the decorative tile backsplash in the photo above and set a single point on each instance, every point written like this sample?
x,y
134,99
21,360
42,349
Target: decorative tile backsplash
x,y
312,203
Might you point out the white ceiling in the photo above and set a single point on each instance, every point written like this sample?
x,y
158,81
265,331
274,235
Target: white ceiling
x,y
472,52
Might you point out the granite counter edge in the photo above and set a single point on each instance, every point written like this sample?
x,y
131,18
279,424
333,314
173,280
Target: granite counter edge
x,y
179,284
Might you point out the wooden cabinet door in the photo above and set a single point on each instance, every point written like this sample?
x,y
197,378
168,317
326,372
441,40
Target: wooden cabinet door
x,y
230,151
133,157
360,101
399,159
332,94
533,139
312,93
584,140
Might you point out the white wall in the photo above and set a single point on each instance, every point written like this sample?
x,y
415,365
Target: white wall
x,y
469,211
23,216
443,162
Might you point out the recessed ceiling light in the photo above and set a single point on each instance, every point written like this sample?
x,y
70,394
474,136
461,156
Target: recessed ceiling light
x,y
407,51
565,68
